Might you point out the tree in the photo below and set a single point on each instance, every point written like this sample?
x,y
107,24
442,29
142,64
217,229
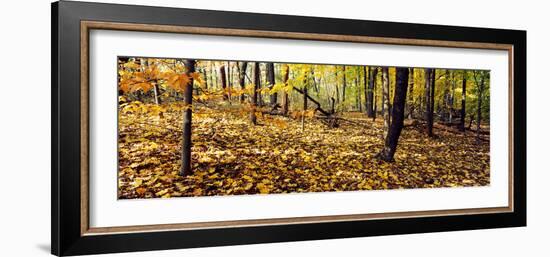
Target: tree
x,y
286,72
224,83
336,85
365,88
358,104
270,78
344,83
156,91
463,103
187,99
398,115
229,76
369,107
254,100
386,100
451,97
479,78
411,93
242,77
305,95
213,73
429,76
203,71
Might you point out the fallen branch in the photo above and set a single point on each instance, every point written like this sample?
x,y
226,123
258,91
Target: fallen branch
x,y
314,101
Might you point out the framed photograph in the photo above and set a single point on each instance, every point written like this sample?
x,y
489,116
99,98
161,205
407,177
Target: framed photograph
x,y
178,128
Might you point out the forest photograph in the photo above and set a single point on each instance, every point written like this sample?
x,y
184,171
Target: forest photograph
x,y
193,127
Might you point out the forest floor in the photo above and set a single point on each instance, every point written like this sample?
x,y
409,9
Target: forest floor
x,y
232,157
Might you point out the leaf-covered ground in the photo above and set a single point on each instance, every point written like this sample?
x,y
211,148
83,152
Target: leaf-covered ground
x,y
232,157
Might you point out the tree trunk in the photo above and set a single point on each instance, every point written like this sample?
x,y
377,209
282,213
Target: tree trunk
x,y
242,77
205,78
411,93
463,104
156,93
479,99
254,100
229,80
285,93
370,92
383,108
386,100
305,107
305,95
224,83
432,101
336,85
344,84
398,115
374,98
315,83
186,141
270,77
446,93
451,96
358,105
213,73
229,76
259,97
365,89
429,101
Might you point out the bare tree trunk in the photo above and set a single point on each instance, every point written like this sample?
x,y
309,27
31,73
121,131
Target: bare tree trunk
x,y
374,98
224,83
452,97
386,100
315,83
336,85
383,108
463,104
205,77
365,89
186,141
285,93
260,97
242,77
398,115
254,101
432,99
411,93
344,83
370,92
229,76
446,94
305,98
213,73
480,88
429,101
156,93
270,78
305,107
229,80
358,105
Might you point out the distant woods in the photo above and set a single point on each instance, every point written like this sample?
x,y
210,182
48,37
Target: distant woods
x,y
453,98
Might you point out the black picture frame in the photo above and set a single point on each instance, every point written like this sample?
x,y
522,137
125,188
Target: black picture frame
x,y
66,209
